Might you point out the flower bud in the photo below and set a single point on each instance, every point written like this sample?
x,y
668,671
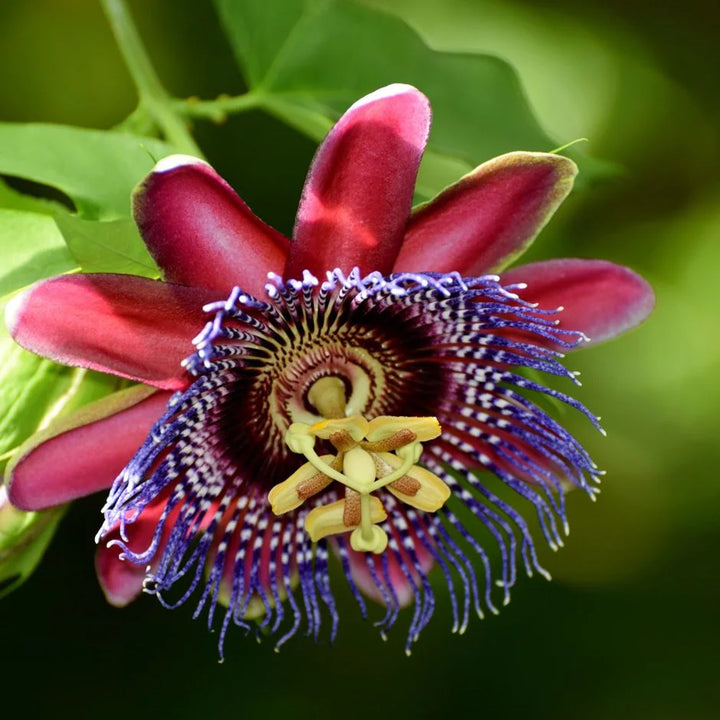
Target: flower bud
x,y
24,537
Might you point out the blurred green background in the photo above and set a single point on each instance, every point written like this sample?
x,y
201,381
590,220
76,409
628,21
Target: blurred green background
x,y
629,626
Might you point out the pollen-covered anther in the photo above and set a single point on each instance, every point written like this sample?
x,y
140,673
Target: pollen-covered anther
x,y
364,464
394,442
406,485
305,482
352,512
342,441
419,487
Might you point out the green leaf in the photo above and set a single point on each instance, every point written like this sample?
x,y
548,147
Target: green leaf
x,y
536,39
308,63
96,169
32,248
106,247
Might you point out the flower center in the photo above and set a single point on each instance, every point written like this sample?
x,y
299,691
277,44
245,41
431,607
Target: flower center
x,y
362,377
369,455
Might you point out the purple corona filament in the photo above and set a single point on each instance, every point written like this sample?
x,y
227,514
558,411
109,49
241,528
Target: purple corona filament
x,y
420,344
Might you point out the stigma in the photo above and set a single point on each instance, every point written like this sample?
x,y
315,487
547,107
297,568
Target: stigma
x,y
365,456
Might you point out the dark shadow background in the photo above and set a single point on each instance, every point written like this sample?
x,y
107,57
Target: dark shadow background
x,y
629,627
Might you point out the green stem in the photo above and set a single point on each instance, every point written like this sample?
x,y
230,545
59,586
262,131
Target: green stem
x,y
151,93
218,109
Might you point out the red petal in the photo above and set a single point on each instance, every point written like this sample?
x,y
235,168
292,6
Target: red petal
x,y
129,326
488,218
201,233
122,580
600,298
83,452
358,193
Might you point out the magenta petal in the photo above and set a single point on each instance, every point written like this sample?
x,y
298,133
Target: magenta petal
x,y
201,233
489,217
359,190
83,452
122,580
599,298
129,326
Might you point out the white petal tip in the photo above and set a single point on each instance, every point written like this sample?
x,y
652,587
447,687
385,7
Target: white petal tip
x,y
175,161
13,311
391,90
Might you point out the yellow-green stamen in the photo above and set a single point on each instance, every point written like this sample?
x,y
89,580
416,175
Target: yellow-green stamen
x,y
363,463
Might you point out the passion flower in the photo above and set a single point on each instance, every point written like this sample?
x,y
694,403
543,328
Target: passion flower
x,y
351,390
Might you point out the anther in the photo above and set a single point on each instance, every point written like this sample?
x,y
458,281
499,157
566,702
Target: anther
x,y
400,438
342,441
